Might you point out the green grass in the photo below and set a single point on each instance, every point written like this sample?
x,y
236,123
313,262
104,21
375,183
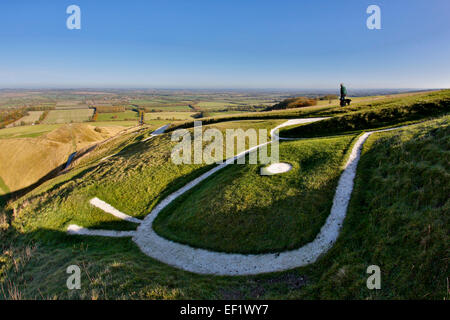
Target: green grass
x,y
3,187
238,210
214,104
68,116
397,219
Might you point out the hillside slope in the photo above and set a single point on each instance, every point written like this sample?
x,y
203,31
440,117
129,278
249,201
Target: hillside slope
x,y
23,161
397,219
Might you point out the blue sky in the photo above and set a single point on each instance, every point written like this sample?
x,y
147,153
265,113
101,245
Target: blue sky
x,y
225,44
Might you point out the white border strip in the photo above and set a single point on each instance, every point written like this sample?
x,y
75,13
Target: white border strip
x,y
96,202
77,230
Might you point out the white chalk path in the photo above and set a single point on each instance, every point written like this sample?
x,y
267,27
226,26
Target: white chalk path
x,y
209,262
274,133
157,132
77,230
96,202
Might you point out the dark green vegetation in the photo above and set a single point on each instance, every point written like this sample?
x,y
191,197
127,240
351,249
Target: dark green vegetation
x,y
238,210
375,115
397,219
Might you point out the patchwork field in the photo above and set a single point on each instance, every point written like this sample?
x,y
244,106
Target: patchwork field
x,y
161,104
68,116
31,118
118,116
174,116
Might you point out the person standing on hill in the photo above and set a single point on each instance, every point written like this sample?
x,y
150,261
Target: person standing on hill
x,y
343,94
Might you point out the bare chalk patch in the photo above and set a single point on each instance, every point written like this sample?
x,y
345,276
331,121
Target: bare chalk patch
x,y
276,168
77,230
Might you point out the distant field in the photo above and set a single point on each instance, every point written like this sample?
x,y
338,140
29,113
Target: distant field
x,y
214,104
169,115
217,113
114,123
68,103
223,104
157,104
32,117
77,106
68,116
27,131
40,129
118,116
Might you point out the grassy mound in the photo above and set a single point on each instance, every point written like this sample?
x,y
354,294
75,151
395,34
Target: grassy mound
x,y
238,210
375,115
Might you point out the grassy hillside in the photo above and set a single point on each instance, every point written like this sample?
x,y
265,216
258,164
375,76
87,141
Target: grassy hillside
x,y
397,219
374,115
255,208
23,161
365,106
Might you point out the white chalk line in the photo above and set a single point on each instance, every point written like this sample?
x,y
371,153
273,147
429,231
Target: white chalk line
x,y
96,202
209,262
77,230
157,132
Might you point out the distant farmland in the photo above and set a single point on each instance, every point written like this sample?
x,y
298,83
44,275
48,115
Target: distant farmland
x,y
169,115
68,116
32,117
161,104
118,116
